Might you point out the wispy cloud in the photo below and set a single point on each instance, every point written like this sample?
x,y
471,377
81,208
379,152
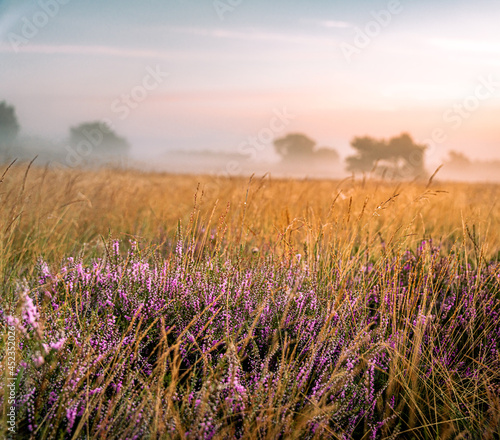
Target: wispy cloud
x,y
335,24
467,45
417,91
330,24
65,49
252,35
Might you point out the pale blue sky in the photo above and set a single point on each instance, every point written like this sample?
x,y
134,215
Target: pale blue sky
x,y
227,75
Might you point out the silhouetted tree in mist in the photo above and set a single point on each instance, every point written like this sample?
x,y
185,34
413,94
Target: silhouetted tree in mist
x,y
400,156
9,127
326,154
101,137
296,147
457,159
369,151
95,143
458,166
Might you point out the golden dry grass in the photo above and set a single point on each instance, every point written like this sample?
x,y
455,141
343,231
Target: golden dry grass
x,y
56,212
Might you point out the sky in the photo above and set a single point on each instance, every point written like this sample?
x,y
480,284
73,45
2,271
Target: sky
x,y
212,74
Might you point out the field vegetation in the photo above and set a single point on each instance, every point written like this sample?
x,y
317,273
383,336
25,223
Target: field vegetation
x,y
151,305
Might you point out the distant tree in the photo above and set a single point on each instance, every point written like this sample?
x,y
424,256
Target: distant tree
x,y
403,147
9,127
9,130
399,155
369,151
294,146
299,147
101,138
326,154
457,159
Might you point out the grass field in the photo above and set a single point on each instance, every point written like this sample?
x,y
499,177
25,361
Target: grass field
x,y
170,306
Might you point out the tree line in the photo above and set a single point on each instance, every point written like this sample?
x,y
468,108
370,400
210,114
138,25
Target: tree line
x,y
400,156
85,139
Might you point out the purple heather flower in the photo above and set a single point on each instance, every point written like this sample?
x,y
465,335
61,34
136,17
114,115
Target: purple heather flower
x,y
38,359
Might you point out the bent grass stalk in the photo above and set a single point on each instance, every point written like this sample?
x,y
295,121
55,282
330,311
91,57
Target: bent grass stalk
x,y
268,309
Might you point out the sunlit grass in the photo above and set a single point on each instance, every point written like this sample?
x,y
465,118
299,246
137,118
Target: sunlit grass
x,y
202,307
